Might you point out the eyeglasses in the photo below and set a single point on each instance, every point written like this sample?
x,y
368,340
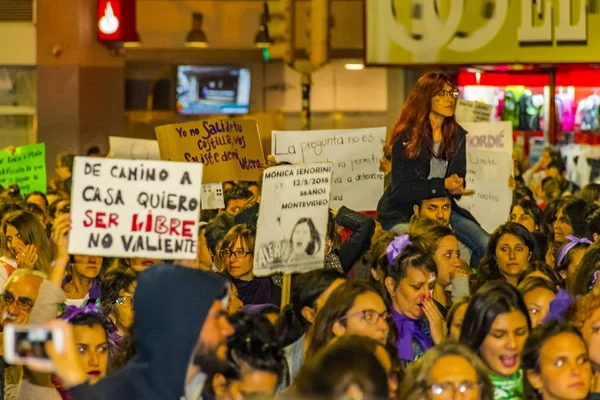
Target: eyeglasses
x,y
371,317
448,390
453,92
24,304
236,253
123,300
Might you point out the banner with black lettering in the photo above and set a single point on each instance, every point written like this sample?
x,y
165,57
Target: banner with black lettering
x,y
129,208
354,153
292,222
489,166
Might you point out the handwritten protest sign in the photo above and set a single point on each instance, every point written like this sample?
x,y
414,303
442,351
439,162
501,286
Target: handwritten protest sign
x,y
292,221
229,149
355,155
133,149
26,167
212,196
489,166
127,208
473,111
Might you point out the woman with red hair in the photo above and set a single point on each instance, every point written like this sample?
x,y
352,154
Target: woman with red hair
x,y
428,149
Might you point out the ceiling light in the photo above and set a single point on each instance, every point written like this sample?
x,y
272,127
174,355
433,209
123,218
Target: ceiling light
x,y
196,37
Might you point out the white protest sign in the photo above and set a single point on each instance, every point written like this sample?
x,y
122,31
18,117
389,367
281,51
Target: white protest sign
x,y
355,155
489,166
212,196
128,208
133,149
292,221
472,111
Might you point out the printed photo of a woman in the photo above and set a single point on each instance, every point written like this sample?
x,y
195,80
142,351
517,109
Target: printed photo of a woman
x,y
305,240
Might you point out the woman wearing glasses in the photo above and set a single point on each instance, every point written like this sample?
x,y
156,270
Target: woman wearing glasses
x,y
237,252
354,308
448,371
428,150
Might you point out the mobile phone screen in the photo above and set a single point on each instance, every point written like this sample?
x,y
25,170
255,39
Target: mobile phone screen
x,y
30,344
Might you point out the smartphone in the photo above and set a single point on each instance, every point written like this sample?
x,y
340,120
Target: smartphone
x,y
23,343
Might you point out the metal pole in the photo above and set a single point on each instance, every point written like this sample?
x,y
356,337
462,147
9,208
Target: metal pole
x,y
552,126
305,113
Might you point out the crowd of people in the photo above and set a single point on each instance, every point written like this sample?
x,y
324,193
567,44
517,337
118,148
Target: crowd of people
x,y
418,302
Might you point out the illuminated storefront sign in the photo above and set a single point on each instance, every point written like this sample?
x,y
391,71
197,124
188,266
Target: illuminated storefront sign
x,y
482,32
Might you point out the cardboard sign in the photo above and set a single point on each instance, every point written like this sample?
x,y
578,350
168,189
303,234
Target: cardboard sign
x,y
26,168
489,166
355,155
292,221
127,208
473,111
230,150
212,196
133,149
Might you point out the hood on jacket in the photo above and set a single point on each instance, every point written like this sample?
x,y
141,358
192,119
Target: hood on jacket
x,y
171,305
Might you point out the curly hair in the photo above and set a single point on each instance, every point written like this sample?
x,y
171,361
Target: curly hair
x,y
582,309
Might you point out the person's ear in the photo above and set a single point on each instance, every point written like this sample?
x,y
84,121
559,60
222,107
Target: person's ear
x,y
308,314
338,329
374,274
416,210
595,236
390,285
534,379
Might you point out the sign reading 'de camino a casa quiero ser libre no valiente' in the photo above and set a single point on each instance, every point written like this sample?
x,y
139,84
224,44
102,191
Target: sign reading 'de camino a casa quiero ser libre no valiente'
x,y
404,32
131,208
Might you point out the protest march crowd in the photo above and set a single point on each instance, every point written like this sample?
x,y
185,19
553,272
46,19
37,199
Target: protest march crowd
x,y
416,301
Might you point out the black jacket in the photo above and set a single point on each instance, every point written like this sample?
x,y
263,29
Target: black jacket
x,y
362,227
171,304
409,184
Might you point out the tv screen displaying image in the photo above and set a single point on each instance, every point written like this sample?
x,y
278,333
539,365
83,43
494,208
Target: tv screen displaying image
x,y
212,89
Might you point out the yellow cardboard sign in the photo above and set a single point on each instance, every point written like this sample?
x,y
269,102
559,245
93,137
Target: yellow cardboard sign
x,y
406,32
230,149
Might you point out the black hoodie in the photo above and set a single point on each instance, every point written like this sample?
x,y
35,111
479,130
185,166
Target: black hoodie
x,y
171,304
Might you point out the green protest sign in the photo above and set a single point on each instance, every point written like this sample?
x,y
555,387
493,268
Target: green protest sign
x,y
26,167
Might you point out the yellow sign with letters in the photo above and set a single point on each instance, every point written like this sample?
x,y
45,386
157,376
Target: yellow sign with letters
x,y
405,32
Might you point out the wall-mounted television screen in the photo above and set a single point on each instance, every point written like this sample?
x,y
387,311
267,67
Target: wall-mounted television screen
x,y
212,89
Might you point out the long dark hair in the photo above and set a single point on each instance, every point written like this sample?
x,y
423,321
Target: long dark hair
x,y
415,116
349,361
315,239
32,232
586,275
530,359
488,270
493,299
306,289
534,211
577,211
